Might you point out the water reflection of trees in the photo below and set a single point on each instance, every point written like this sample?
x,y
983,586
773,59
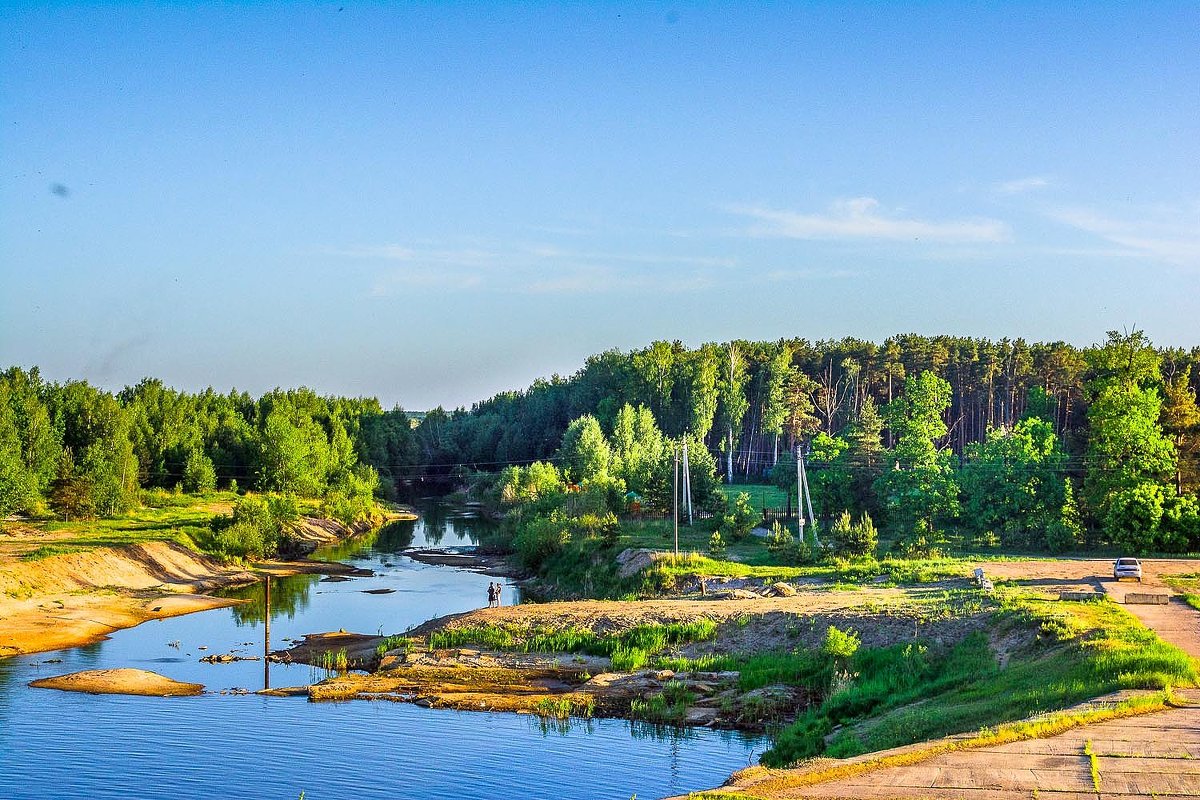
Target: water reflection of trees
x,y
433,519
289,596
394,537
351,549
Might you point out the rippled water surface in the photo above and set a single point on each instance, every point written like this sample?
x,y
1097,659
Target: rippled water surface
x,y
61,744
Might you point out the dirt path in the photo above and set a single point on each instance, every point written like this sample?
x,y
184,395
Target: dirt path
x,y
1176,622
1067,573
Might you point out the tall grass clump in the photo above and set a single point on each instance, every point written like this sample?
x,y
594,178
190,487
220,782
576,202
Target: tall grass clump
x,y
630,649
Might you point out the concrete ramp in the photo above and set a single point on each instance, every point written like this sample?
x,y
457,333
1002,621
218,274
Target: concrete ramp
x,y
1155,755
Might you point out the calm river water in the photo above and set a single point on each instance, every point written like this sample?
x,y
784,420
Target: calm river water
x,y
67,745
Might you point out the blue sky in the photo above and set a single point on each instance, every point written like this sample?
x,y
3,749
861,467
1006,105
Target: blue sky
x,y
430,203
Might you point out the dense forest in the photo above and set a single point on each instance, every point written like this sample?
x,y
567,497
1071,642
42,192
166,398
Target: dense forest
x,y
1030,443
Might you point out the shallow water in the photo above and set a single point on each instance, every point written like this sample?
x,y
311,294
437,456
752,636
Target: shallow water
x,y
62,744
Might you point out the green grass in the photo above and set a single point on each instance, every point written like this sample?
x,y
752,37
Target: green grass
x,y
1188,587
910,693
47,551
394,643
891,571
1094,762
183,519
173,522
564,707
666,707
762,495
630,648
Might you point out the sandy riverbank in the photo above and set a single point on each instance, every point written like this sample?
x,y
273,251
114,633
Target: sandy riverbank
x,y
78,598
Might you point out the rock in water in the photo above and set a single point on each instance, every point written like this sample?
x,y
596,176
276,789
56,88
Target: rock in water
x,y
119,681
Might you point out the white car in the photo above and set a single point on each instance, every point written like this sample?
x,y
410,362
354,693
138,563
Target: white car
x,y
1127,568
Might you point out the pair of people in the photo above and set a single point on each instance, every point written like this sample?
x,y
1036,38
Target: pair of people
x,y
494,590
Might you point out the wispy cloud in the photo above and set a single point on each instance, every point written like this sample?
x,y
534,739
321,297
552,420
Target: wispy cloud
x,y
1168,235
547,251
1023,185
811,274
531,267
864,218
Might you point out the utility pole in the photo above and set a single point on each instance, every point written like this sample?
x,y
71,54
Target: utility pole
x,y
808,496
687,483
800,488
675,501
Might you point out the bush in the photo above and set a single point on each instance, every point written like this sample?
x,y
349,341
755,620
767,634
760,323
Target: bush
x,y
601,493
283,508
541,537
716,546
238,540
857,539
254,530
603,526
840,644
199,475
741,519
785,547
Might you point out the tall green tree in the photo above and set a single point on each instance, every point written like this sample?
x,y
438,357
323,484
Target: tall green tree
x,y
775,409
1130,461
1181,422
18,484
1012,484
637,447
585,450
864,456
919,491
732,404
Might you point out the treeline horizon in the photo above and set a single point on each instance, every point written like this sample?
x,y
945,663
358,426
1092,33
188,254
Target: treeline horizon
x,y
748,402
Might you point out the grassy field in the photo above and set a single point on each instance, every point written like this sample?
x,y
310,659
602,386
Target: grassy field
x,y
762,495
164,516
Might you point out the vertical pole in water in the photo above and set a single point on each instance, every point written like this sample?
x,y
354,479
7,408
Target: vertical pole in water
x,y
267,635
675,502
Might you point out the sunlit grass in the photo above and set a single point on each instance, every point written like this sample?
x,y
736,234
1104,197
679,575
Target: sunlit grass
x,y
900,695
629,650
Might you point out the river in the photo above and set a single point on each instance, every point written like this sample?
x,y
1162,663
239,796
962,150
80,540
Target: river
x,y
225,744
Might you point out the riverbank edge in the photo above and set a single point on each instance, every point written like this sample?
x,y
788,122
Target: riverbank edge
x,y
81,598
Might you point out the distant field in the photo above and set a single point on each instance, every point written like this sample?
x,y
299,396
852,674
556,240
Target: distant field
x,y
762,495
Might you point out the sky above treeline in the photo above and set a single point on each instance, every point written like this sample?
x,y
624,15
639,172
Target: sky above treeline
x,y
430,203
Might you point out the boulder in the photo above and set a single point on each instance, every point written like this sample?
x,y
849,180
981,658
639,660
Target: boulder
x,y
633,560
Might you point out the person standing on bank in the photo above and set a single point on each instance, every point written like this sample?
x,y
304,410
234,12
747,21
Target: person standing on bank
x,y
499,589
492,599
